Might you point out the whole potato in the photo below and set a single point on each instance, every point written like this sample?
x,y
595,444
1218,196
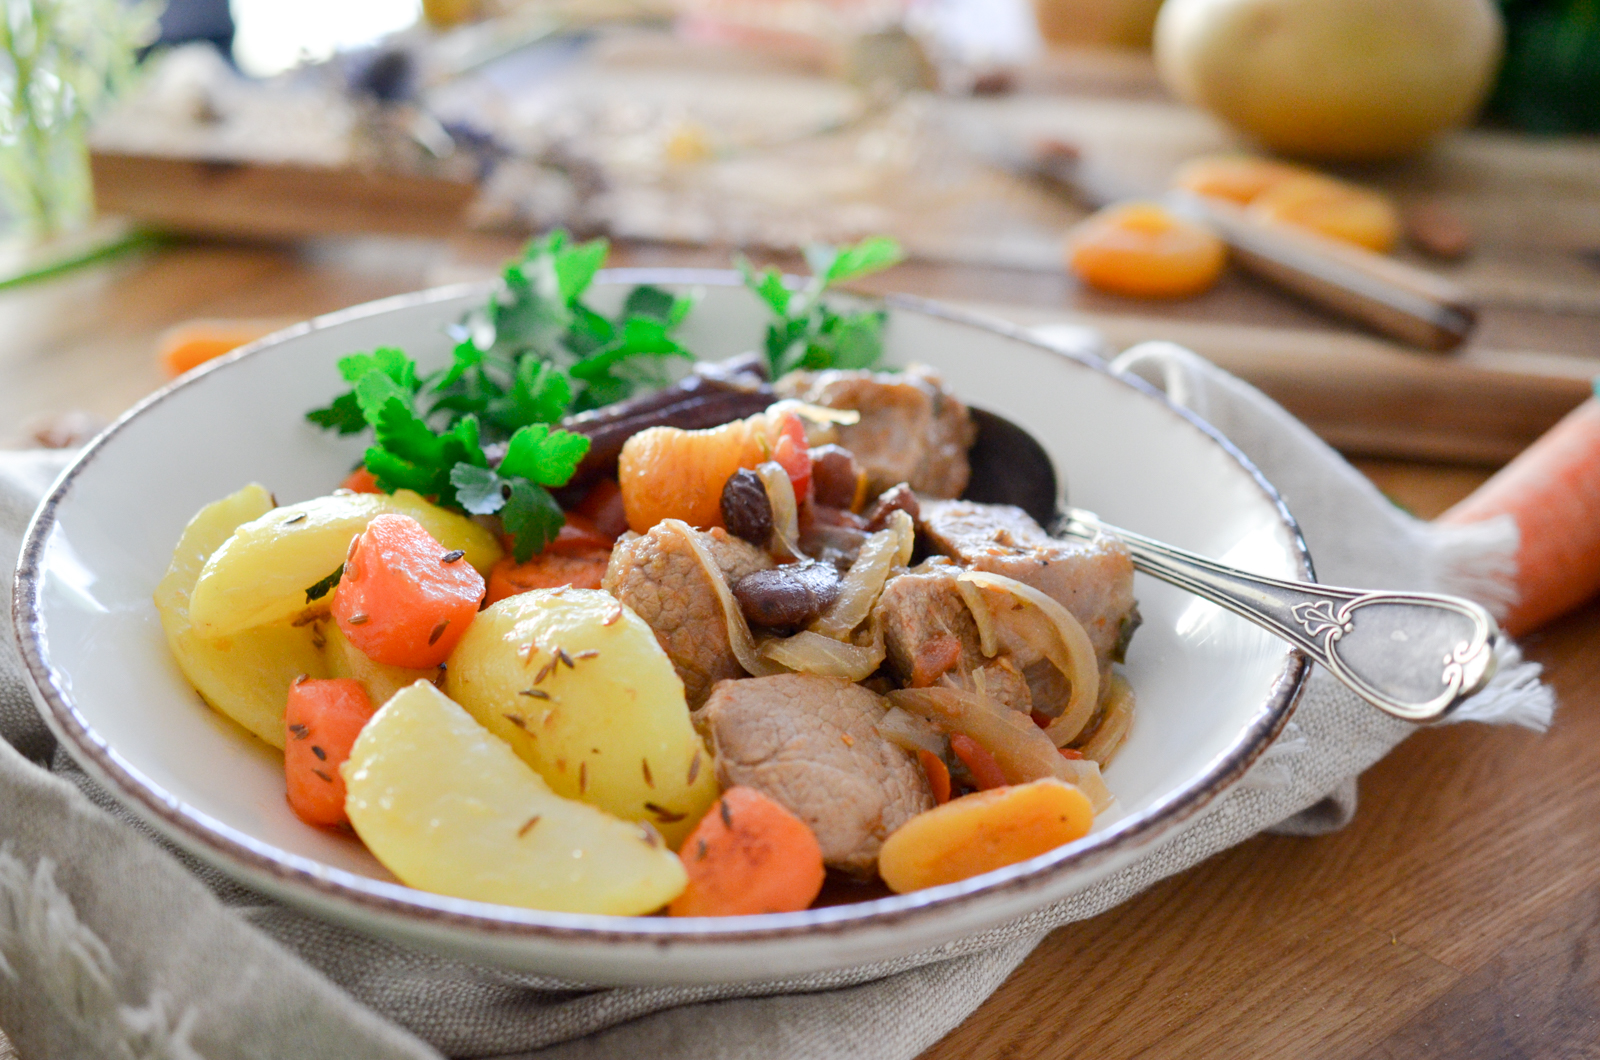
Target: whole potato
x,y
578,686
1333,79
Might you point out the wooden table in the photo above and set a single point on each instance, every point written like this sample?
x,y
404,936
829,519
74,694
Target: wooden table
x,y
1458,916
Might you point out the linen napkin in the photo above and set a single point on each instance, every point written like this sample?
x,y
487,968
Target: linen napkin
x,y
114,944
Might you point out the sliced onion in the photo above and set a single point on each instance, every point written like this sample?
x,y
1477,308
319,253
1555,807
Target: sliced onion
x,y
1115,721
880,554
785,511
1020,747
910,732
812,653
743,644
1069,651
988,642
814,413
1085,776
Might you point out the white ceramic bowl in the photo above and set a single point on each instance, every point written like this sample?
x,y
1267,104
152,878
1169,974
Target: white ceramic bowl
x,y
1212,690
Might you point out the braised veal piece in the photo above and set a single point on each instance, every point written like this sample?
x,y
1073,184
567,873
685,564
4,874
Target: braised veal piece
x,y
812,744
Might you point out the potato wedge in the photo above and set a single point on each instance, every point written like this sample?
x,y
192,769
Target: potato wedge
x,y
448,808
346,660
982,832
246,675
261,573
577,684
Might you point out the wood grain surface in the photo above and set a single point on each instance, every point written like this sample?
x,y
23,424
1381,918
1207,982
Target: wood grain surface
x,y
1457,917
1532,206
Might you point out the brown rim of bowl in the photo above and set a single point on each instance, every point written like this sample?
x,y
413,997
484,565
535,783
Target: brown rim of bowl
x,y
228,847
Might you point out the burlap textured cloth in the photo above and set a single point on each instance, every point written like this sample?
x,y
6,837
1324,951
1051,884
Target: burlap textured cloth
x,y
114,945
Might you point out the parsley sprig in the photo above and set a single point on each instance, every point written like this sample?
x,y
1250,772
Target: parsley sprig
x,y
536,351
449,463
805,332
533,352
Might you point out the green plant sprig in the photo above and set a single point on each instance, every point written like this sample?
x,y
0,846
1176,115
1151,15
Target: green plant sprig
x,y
805,332
535,351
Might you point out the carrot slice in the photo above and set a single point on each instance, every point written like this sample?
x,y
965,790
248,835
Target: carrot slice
x,y
404,599
934,658
749,855
980,763
1552,490
322,720
189,345
548,570
360,481
938,775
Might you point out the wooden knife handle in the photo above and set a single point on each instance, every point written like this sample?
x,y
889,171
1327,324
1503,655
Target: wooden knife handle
x,y
1399,300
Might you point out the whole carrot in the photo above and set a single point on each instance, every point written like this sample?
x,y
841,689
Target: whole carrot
x,y
1552,490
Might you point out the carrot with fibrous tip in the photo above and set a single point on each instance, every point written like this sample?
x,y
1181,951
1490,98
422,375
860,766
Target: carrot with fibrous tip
x,y
1552,490
322,720
749,855
986,772
404,599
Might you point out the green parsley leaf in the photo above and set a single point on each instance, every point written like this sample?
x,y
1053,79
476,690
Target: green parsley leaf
x,y
768,286
542,455
408,453
386,359
576,267
806,333
533,518
464,358
540,393
653,302
343,414
325,586
866,257
478,489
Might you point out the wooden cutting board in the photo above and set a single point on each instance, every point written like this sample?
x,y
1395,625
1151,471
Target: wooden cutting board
x,y
1534,205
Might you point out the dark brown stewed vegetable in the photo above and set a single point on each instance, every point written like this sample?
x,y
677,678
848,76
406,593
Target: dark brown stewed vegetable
x,y
746,508
836,479
715,394
789,596
895,498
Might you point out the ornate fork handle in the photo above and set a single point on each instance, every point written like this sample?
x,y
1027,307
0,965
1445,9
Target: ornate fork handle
x,y
1412,655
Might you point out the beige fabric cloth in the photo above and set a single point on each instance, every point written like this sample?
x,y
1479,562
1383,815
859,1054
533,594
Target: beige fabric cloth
x,y
112,944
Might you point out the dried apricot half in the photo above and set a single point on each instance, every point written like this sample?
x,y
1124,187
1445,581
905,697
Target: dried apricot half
x,y
1144,250
1332,208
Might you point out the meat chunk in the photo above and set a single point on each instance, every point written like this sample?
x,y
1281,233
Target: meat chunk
x,y
658,576
1092,579
811,743
927,629
912,429
932,638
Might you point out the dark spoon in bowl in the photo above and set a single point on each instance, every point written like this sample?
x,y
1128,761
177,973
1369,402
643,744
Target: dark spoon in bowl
x,y
1412,655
